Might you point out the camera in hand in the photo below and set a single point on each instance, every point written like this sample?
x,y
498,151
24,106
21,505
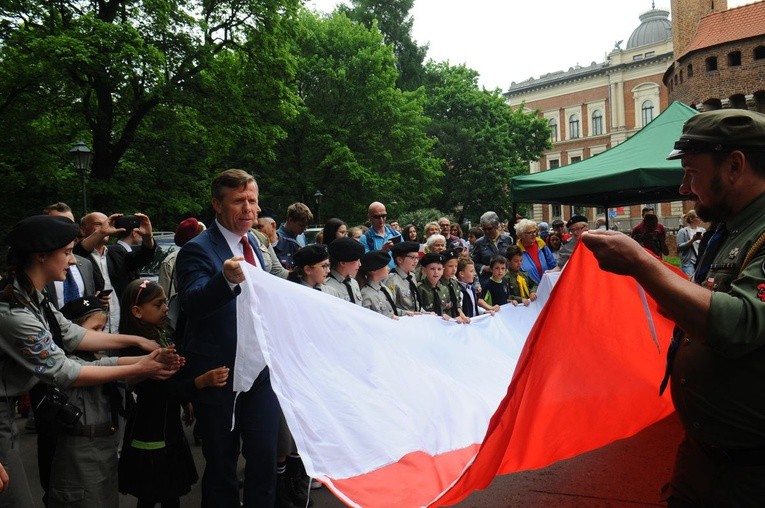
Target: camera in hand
x,y
127,222
55,407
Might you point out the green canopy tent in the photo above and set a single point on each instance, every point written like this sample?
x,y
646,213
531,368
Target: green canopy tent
x,y
634,172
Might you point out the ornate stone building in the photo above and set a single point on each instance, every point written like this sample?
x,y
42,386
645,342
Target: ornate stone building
x,y
590,109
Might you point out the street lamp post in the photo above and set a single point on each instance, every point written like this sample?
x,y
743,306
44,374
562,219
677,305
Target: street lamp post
x,y
82,157
317,197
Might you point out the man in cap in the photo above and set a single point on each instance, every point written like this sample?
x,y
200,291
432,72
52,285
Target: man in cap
x,y
345,261
716,361
577,225
401,281
559,226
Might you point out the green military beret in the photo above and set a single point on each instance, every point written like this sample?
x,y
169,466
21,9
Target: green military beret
x,y
432,257
723,130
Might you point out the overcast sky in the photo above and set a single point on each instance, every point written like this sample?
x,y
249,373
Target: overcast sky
x,y
508,41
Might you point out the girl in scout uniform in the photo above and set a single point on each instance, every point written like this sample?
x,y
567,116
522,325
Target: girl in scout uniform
x,y
33,336
375,296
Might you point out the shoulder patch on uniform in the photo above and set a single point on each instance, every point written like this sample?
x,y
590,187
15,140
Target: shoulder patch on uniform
x,y
733,253
761,291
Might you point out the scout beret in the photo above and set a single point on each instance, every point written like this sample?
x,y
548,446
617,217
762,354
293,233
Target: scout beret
x,y
453,253
81,307
576,218
403,248
187,229
310,255
345,249
432,257
722,130
374,260
42,233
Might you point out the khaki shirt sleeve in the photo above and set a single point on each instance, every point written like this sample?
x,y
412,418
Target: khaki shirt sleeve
x,y
736,319
30,344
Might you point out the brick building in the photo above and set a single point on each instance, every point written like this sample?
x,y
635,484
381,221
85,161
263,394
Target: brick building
x,y
722,65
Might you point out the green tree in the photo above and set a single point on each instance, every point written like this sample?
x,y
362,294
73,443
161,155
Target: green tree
x,y
356,137
392,18
482,141
116,60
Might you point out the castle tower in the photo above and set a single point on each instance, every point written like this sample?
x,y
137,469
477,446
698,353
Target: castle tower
x,y
685,19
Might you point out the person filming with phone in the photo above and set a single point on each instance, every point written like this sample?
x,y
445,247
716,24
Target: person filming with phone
x,y
115,266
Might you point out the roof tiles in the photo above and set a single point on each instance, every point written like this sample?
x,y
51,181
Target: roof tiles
x,y
727,26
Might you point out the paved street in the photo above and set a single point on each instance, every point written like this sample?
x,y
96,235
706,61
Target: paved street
x,y
627,473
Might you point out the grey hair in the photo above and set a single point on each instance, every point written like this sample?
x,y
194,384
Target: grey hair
x,y
490,218
433,239
523,225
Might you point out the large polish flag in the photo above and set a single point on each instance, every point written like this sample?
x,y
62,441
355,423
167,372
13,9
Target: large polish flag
x,y
421,412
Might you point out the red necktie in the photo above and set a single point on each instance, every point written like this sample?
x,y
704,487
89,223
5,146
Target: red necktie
x,y
249,254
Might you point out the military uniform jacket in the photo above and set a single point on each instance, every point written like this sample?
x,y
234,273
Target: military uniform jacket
x,y
717,385
399,288
455,295
432,300
339,289
374,298
27,350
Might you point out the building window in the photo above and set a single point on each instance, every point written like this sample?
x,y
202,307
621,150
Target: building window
x,y
759,52
553,163
553,124
647,111
681,75
580,210
573,126
734,58
556,211
711,63
597,122
690,70
574,159
649,54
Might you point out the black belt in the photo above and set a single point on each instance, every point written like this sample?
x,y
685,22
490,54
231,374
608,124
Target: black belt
x,y
98,430
738,457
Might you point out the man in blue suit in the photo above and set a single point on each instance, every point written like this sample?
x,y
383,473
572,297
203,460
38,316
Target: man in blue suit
x,y
209,273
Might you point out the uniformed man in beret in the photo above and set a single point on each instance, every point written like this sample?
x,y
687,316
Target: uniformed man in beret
x,y
577,225
716,361
401,280
345,261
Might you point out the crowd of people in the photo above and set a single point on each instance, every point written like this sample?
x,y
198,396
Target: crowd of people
x,y
97,347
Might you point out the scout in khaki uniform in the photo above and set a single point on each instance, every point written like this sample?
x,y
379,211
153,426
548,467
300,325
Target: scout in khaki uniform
x,y
716,361
401,281
345,260
374,295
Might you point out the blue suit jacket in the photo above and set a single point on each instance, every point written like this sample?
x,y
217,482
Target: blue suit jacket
x,y
210,307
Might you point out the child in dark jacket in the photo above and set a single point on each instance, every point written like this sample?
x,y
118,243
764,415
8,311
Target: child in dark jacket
x,y
156,464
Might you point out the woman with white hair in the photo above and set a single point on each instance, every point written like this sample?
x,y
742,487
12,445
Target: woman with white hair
x,y
537,256
492,243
